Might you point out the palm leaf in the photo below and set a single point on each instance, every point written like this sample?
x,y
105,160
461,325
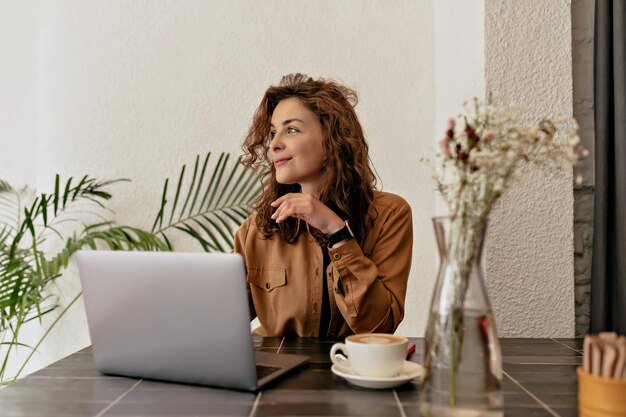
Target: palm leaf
x,y
123,237
212,220
207,213
5,186
26,271
11,207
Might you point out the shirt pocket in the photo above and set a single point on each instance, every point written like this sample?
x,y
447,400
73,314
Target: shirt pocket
x,y
269,294
268,277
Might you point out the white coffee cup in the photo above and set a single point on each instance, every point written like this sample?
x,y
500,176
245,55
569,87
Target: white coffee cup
x,y
373,354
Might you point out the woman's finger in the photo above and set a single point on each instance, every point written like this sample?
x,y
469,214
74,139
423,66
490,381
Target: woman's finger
x,y
301,206
280,211
286,201
288,210
279,208
294,208
280,199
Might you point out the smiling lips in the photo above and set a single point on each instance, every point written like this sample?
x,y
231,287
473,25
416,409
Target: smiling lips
x,y
281,161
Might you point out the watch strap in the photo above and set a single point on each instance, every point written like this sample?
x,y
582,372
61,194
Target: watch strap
x,y
341,234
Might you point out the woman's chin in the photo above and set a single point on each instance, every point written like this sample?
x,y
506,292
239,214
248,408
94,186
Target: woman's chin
x,y
286,180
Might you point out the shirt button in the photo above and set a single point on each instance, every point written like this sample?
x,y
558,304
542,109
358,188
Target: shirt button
x,y
337,256
267,285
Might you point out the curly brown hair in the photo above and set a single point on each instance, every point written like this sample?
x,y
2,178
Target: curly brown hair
x,y
348,181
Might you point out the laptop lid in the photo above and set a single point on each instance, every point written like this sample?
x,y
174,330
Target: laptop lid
x,y
172,316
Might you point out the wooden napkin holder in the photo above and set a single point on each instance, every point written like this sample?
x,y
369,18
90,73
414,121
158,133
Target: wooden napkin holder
x,y
600,396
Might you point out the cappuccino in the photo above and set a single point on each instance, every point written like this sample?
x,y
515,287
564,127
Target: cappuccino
x,y
376,339
372,355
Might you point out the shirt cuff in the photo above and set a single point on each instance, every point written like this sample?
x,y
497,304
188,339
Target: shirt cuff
x,y
344,253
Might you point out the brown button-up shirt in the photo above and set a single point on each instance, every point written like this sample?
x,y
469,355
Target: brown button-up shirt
x,y
366,282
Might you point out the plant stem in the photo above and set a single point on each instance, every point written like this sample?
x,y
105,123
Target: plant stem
x,y
46,334
13,342
451,370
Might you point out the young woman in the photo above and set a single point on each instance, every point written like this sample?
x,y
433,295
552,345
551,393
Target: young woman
x,y
326,254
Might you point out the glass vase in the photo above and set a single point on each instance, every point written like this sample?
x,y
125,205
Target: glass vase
x,y
462,359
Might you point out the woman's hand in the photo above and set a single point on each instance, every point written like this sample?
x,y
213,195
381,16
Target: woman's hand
x,y
307,207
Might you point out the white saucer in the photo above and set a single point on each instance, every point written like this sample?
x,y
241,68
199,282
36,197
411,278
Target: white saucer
x,y
409,371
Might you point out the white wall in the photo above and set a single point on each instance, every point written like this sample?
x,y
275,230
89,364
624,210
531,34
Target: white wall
x,y
459,63
136,89
18,90
529,251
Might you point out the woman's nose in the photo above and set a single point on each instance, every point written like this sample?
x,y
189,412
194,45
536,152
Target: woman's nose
x,y
276,143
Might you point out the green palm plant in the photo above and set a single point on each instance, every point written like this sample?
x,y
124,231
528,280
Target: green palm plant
x,y
210,211
29,223
212,208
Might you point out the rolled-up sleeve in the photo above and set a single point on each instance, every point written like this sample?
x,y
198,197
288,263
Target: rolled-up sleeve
x,y
370,290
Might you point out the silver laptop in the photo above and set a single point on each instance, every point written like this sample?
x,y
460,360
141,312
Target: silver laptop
x,y
179,317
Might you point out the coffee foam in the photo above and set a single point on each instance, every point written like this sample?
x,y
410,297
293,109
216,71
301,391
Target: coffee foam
x,y
376,339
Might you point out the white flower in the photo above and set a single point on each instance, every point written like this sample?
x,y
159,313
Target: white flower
x,y
473,178
579,179
571,155
498,185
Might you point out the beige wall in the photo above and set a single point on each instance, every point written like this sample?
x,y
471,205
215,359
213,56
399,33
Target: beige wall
x,y
529,251
523,52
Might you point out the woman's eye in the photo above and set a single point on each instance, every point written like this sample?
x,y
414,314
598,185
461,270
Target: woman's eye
x,y
289,130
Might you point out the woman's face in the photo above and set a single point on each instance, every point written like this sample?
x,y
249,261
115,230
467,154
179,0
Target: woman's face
x,y
296,147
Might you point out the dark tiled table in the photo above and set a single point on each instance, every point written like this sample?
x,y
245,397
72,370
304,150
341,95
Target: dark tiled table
x,y
539,380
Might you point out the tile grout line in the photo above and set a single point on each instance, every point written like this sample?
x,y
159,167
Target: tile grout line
x,y
402,413
533,396
281,344
569,347
255,405
117,400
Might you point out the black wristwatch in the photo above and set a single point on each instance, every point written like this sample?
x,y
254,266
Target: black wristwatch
x,y
339,235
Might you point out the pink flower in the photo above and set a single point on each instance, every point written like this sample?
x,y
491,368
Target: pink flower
x,y
444,145
471,133
451,123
